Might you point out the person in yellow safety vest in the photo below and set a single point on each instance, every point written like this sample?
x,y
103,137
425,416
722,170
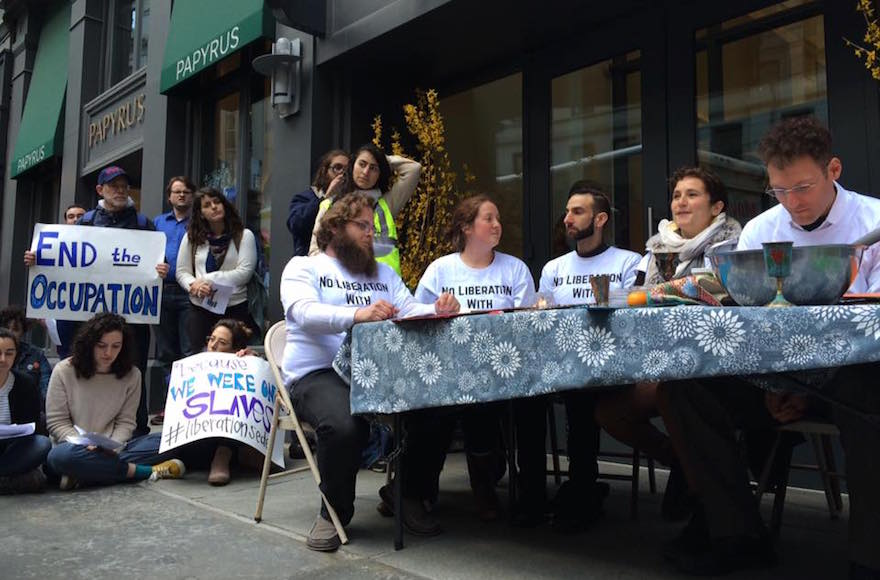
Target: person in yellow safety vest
x,y
370,174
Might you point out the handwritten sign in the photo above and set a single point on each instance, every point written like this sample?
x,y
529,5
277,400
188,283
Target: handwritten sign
x,y
82,270
218,299
214,394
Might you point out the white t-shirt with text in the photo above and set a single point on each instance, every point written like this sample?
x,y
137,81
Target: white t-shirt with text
x,y
568,277
320,298
505,283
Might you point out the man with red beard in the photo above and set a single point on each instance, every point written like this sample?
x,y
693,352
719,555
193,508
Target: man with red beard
x,y
323,296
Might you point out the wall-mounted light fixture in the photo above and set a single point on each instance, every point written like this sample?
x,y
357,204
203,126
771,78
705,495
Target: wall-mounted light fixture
x,y
284,66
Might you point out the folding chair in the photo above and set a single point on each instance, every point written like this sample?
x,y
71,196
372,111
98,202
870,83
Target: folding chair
x,y
274,345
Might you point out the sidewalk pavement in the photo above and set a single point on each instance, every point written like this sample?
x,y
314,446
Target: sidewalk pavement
x,y
188,529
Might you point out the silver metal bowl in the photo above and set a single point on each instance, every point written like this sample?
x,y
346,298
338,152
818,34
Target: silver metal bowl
x,y
819,274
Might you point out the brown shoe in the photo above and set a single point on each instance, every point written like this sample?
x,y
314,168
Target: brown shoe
x,y
323,536
416,519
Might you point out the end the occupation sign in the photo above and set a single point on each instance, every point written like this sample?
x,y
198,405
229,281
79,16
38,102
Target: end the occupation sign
x,y
81,271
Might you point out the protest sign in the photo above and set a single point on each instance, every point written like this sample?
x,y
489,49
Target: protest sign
x,y
80,271
218,299
215,394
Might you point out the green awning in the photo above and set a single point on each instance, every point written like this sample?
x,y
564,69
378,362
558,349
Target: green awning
x,y
40,134
204,32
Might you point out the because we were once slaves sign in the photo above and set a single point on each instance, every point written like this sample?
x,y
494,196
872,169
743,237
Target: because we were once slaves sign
x,y
214,394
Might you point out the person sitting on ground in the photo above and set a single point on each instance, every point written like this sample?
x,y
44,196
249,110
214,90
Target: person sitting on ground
x,y
323,296
303,211
31,359
97,389
481,278
370,174
699,199
20,457
232,336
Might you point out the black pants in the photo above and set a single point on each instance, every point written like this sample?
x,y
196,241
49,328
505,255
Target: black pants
x,y
322,399
429,434
141,352
709,410
582,444
201,322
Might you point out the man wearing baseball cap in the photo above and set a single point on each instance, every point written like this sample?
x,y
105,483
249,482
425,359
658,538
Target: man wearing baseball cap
x,y
116,210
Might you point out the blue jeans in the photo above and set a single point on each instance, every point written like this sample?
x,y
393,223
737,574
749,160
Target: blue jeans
x,y
22,454
99,468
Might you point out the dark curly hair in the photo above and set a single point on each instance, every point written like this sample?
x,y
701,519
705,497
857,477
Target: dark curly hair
x,y
796,137
339,214
83,358
383,184
321,181
198,229
713,184
463,215
241,334
14,313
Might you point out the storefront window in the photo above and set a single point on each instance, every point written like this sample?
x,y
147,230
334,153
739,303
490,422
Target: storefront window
x,y
484,131
222,172
747,82
596,135
127,38
258,213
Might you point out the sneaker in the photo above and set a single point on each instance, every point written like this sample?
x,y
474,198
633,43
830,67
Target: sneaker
x,y
323,536
171,469
416,519
68,483
31,482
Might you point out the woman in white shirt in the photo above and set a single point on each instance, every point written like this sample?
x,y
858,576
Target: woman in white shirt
x,y
217,254
481,278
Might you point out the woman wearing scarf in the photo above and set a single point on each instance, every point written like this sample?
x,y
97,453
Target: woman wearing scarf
x,y
216,251
699,199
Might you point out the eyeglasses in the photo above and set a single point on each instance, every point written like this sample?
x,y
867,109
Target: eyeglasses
x,y
222,342
365,227
782,192
181,192
337,168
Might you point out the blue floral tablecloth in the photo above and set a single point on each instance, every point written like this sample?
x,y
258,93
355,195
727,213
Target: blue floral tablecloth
x,y
395,367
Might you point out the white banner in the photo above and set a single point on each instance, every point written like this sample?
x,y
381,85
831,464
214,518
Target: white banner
x,y
83,270
214,394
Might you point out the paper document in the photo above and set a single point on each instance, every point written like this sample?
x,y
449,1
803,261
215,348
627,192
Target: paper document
x,y
218,299
95,439
16,430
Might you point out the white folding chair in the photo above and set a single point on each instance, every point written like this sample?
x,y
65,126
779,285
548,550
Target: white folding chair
x,y
274,345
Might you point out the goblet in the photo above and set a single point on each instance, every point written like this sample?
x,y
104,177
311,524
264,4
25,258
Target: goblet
x,y
777,261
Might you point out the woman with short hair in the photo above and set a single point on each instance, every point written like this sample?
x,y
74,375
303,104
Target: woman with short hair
x,y
97,390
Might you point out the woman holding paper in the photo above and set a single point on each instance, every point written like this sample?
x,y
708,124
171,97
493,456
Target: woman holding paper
x,y
20,401
481,278
216,260
93,396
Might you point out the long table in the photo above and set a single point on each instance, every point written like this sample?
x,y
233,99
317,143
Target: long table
x,y
395,367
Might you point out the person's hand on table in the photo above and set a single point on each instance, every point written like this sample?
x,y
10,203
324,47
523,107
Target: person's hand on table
x,y
446,304
30,258
786,407
379,310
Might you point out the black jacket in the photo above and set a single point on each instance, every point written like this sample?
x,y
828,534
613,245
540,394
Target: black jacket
x,y
301,220
25,401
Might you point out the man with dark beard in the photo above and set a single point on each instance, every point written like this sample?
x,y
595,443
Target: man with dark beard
x,y
323,296
578,502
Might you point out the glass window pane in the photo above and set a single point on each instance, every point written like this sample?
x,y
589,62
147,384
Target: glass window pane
x,y
145,32
258,213
745,85
122,53
484,131
222,171
596,134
